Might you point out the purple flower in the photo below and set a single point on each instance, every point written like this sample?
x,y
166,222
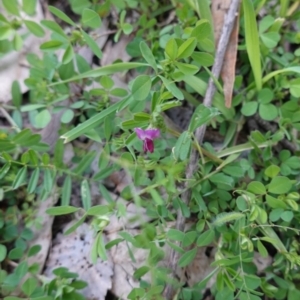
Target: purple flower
x,y
147,136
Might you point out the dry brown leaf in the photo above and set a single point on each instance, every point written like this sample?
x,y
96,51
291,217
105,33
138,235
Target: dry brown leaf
x,y
119,180
219,11
100,36
123,281
73,252
200,267
113,52
13,65
133,217
43,236
261,263
124,267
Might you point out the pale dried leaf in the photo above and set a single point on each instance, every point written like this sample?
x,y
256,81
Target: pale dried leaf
x,y
200,267
74,252
219,11
133,217
50,134
124,267
68,153
113,52
42,236
100,36
43,233
119,180
261,263
129,216
13,65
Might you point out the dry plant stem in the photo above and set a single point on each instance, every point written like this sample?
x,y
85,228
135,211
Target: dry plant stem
x,y
199,134
10,119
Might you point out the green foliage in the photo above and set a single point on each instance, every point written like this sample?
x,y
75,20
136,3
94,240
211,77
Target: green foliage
x,y
244,197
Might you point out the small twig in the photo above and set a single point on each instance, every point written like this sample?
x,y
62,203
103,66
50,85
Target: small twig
x,y
10,119
108,32
199,134
12,263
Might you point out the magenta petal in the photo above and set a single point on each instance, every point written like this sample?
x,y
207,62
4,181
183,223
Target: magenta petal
x,y
149,134
152,134
140,133
148,146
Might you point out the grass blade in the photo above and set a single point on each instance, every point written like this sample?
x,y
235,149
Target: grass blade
x,y
105,70
252,41
91,123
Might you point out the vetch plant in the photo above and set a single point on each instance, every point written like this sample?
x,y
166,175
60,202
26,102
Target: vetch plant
x,y
229,193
